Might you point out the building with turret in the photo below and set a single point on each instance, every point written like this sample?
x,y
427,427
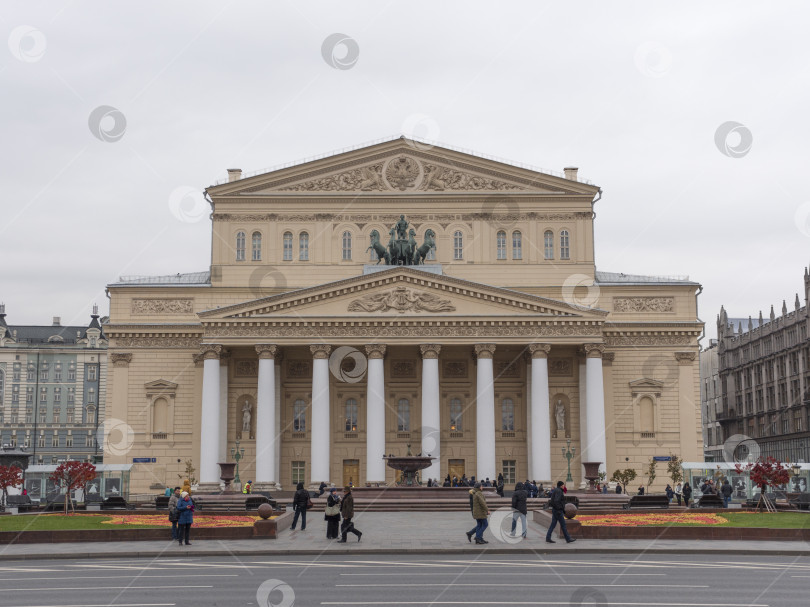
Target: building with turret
x,y
53,389
763,407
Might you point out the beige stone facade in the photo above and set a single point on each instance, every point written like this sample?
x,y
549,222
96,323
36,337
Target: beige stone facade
x,y
512,282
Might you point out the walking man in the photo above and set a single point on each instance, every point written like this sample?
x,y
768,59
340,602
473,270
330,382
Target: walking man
x,y
347,510
478,504
519,509
557,503
726,491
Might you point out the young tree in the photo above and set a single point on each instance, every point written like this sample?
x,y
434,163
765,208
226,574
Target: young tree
x,y
73,475
675,468
624,477
651,472
189,474
764,473
10,476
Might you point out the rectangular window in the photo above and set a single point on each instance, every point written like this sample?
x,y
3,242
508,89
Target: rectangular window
x,y
57,395
403,415
70,415
71,395
91,396
14,417
29,416
43,395
299,470
44,371
32,370
41,441
92,373
350,415
57,372
456,416
15,374
299,416
69,440
43,415
91,415
508,415
15,395
72,372
54,440
509,471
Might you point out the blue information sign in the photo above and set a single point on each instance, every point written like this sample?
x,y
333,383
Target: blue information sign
x,y
144,460
662,458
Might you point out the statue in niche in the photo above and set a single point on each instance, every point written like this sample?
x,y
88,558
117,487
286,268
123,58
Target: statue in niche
x,y
559,415
246,415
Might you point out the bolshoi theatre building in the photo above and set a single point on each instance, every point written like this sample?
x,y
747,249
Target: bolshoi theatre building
x,y
400,296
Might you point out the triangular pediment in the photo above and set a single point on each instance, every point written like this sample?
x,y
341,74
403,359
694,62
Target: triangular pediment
x,y
403,292
160,386
646,385
402,166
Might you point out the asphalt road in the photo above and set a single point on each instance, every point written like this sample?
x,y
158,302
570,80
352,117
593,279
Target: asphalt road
x,y
573,580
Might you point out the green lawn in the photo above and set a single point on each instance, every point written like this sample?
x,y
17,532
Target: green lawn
x,y
779,520
51,522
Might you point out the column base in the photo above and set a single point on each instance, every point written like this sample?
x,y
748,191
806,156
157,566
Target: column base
x,y
268,486
208,488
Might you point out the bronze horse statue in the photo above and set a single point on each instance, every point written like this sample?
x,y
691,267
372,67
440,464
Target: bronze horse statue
x,y
421,253
379,249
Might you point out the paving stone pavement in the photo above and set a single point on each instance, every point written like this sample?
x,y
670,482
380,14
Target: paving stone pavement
x,y
403,532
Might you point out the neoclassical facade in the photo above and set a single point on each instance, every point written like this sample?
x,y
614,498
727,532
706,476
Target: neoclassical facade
x,y
501,347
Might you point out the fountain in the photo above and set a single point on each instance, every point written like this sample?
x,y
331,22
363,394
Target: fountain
x,y
409,465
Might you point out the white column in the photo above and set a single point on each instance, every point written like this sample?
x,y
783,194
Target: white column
x,y
223,409
320,448
583,419
529,451
541,421
431,410
597,449
209,416
375,414
485,413
277,370
266,429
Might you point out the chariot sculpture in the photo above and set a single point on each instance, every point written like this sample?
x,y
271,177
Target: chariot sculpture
x,y
402,249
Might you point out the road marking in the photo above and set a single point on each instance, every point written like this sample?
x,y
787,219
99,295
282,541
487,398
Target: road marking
x,y
84,589
470,602
170,576
467,585
106,605
506,573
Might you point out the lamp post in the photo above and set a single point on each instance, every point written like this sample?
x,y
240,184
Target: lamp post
x,y
237,454
796,469
569,455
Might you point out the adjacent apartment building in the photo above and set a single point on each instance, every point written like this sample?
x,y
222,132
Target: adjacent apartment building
x,y
53,388
764,396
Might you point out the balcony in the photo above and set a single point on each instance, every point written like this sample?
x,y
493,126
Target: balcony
x,y
725,415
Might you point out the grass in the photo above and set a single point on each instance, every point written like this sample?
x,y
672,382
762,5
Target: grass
x,y
764,520
53,522
779,520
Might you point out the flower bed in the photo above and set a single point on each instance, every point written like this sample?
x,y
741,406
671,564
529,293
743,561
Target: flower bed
x,y
200,520
650,519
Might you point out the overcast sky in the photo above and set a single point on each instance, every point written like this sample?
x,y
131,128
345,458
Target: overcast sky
x,y
633,93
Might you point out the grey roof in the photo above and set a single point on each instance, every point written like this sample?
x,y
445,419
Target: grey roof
x,y
754,322
604,278
169,280
48,335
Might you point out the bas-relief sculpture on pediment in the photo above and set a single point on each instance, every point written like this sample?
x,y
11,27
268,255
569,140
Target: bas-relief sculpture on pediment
x,y
401,299
404,173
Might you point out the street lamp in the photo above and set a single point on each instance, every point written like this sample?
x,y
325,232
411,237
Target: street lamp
x,y
569,455
237,454
796,468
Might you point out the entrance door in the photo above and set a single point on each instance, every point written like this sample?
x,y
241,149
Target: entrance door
x,y
351,472
455,467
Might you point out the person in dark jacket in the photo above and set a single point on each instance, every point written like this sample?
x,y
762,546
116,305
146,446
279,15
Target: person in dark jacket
x,y
726,490
186,509
557,503
321,488
347,510
519,509
174,515
300,501
687,494
332,520
670,493
618,489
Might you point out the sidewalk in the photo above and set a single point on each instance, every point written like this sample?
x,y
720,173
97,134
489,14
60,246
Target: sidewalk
x,y
400,533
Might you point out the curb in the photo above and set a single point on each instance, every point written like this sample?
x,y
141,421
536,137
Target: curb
x,y
416,551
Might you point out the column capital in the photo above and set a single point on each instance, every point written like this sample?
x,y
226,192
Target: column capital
x,y
430,350
266,351
375,351
685,358
121,359
198,359
539,350
211,351
320,351
608,357
484,350
593,350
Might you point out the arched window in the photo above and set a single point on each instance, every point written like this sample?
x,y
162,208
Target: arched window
x,y
347,246
403,415
287,246
548,244
458,245
240,246
565,248
508,415
90,417
500,244
431,256
517,245
456,415
351,415
257,246
160,416
303,246
299,415
646,415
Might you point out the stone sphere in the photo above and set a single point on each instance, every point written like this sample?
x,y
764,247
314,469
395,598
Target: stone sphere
x,y
570,511
265,511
